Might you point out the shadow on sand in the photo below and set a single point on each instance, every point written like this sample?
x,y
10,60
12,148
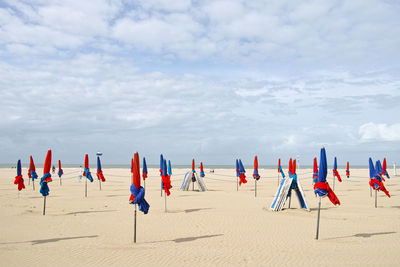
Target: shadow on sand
x,y
187,239
364,235
50,240
87,211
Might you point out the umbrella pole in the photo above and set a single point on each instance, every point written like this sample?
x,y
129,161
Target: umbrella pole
x,y
29,181
60,181
376,199
370,191
165,202
85,187
134,229
44,205
100,184
237,183
144,183
333,183
278,178
255,188
192,186
33,185
161,188
319,210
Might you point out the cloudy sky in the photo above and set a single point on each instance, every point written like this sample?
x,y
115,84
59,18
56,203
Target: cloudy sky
x,y
214,80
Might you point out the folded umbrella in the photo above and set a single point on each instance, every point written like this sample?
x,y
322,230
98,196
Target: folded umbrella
x,y
86,171
335,172
315,171
201,170
237,168
137,191
60,170
169,168
144,173
132,165
18,179
99,173
322,188
44,188
32,170
280,169
384,168
255,172
242,171
348,170
375,178
166,179
378,169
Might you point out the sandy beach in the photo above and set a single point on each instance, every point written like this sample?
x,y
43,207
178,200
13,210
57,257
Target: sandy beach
x,y
219,227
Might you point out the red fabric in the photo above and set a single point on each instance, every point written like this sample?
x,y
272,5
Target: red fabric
x,y
201,167
384,164
381,186
294,167
315,169
31,167
131,165
47,163
242,178
193,166
100,176
279,164
331,195
136,171
87,161
290,166
144,175
86,164
336,174
20,182
59,165
348,167
167,183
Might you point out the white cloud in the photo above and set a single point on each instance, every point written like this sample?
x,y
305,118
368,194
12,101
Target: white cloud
x,y
379,132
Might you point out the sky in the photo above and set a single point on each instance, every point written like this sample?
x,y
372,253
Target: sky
x,y
214,80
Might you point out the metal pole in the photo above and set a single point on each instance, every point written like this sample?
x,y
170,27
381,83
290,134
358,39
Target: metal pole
x,y
85,187
255,188
370,191
333,189
161,188
100,184
165,202
134,232
376,199
319,210
60,181
33,185
237,183
144,183
44,205
192,186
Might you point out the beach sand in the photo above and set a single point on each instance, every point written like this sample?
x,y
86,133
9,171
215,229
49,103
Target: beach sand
x,y
220,227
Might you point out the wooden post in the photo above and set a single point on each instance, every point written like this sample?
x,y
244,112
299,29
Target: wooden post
x,y
85,187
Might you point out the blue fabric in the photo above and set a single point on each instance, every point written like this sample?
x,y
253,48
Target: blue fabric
x,y
88,175
323,166
335,164
255,172
44,188
378,171
60,173
282,173
161,162
33,175
98,164
320,192
371,169
315,179
19,169
144,165
241,167
202,174
237,168
169,168
139,198
164,169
